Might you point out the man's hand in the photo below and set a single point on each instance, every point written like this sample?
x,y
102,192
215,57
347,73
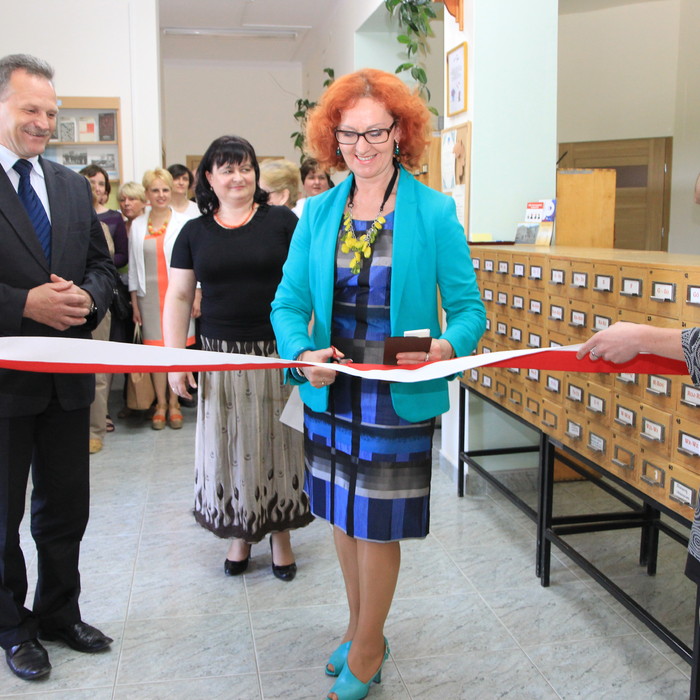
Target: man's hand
x,y
59,304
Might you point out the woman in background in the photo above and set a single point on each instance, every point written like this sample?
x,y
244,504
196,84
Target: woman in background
x,y
314,180
248,465
152,237
132,202
366,262
182,184
280,179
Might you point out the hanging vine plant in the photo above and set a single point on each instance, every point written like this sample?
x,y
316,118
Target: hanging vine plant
x,y
303,106
414,18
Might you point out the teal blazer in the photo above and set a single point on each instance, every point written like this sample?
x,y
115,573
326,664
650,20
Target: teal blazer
x,y
430,253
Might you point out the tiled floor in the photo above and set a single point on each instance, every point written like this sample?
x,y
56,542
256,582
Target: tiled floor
x,y
470,619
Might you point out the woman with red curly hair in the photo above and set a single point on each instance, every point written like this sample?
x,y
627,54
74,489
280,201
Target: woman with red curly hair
x,y
366,262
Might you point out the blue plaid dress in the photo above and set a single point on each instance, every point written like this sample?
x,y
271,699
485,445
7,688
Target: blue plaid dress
x,y
367,470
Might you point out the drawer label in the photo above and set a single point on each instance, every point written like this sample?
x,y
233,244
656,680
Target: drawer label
x,y
575,393
501,328
663,291
689,443
516,334
693,294
518,270
534,375
488,265
556,313
579,279
658,385
573,429
626,416
596,404
603,283
476,262
474,375
553,384
535,306
557,277
631,287
486,381
488,295
627,378
653,431
535,272
682,494
690,395
534,340
596,442
653,475
601,322
502,299
578,318
503,267
518,302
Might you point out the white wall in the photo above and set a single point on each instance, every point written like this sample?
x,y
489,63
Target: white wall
x,y
204,100
685,214
617,72
102,49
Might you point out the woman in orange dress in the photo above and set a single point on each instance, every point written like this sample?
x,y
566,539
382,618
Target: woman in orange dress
x,y
152,237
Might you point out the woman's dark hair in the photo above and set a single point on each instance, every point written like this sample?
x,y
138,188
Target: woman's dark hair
x,y
222,151
311,165
92,170
178,170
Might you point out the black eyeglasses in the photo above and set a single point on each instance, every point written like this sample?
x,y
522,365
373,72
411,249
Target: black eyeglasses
x,y
371,136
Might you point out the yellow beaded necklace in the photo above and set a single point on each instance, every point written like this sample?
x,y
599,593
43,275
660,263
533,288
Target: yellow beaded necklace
x,y
361,247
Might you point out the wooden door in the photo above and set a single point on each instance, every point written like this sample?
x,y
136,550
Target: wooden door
x,y
643,192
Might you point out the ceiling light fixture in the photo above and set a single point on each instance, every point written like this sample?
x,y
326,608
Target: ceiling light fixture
x,y
240,33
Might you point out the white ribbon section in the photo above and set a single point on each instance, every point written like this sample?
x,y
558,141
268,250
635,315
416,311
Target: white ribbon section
x,y
42,354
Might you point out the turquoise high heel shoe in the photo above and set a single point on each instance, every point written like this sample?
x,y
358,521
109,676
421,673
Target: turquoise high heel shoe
x,y
349,687
338,659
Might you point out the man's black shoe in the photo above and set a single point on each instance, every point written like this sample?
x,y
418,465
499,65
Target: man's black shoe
x,y
28,660
79,636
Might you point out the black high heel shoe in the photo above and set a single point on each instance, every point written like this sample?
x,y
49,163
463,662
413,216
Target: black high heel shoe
x,y
236,568
283,573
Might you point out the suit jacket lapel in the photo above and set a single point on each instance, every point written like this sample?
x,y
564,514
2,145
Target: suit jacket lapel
x,y
13,210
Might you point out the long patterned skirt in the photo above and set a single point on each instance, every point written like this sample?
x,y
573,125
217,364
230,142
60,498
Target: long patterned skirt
x,y
248,466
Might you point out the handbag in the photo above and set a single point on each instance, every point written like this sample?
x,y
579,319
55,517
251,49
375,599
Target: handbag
x,y
121,300
140,393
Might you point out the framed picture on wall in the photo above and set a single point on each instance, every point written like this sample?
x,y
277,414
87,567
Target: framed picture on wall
x,y
457,80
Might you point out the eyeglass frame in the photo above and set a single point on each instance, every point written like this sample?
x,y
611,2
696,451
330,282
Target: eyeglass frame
x,y
364,135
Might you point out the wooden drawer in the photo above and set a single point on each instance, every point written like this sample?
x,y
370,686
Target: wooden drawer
x,y
488,295
518,270
664,291
605,283
537,308
557,314
488,266
535,336
577,319
557,340
486,381
537,273
553,386
598,440
500,387
533,407
631,293
574,430
626,416
532,378
516,398
575,393
690,298
653,476
624,458
602,316
472,377
501,300
519,299
686,444
488,332
629,384
503,266
660,390
580,279
655,430
598,403
558,276
551,420
687,399
682,490
500,330
517,335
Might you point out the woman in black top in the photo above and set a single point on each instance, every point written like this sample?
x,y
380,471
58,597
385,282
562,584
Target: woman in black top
x,y
248,466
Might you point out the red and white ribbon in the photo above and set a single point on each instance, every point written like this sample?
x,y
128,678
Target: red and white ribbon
x,y
70,355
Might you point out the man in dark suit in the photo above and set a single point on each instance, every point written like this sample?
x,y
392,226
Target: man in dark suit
x,y
55,281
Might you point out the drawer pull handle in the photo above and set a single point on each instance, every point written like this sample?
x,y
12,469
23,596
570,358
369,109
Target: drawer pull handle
x,y
690,404
598,411
651,439
572,435
623,424
577,325
602,289
688,453
656,392
630,294
548,424
682,501
621,464
661,299
650,481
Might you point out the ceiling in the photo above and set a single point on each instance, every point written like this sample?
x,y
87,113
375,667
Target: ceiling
x,y
293,16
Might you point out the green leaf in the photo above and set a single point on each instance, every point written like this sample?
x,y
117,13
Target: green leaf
x,y
403,39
